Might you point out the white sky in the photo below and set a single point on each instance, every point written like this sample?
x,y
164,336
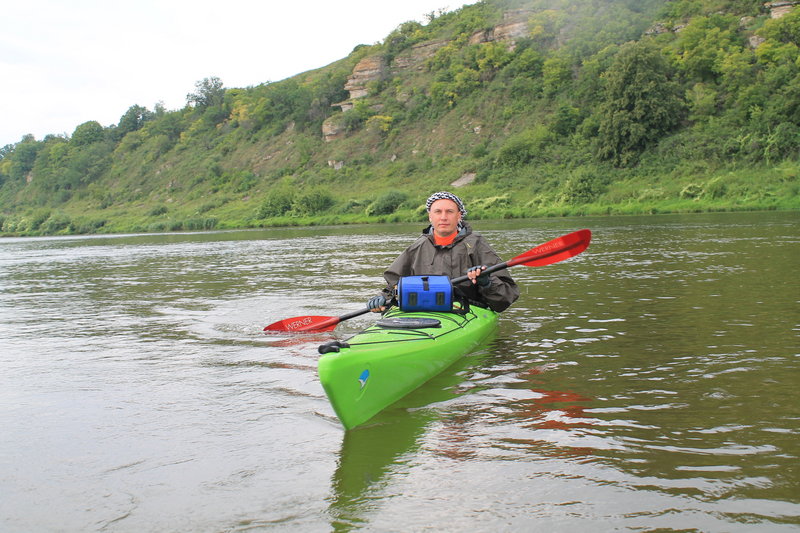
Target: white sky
x,y
63,63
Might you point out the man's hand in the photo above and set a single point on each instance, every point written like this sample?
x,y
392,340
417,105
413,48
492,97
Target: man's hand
x,y
476,275
377,304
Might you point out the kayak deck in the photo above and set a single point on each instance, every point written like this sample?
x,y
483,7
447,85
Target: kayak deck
x,y
382,364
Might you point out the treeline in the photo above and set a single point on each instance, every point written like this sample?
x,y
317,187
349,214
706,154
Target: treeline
x,y
60,165
602,106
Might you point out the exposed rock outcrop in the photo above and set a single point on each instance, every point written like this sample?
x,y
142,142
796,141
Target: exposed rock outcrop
x,y
333,128
465,179
513,27
414,58
372,68
369,69
781,8
657,29
755,41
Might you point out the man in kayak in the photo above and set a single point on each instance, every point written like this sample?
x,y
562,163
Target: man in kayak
x,y
449,247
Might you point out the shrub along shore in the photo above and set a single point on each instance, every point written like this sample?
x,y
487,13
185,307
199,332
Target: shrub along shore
x,y
753,189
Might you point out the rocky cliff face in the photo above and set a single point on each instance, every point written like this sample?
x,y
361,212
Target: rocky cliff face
x,y
415,57
368,69
375,68
514,26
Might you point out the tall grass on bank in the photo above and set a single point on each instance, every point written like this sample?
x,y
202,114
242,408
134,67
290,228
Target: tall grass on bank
x,y
578,193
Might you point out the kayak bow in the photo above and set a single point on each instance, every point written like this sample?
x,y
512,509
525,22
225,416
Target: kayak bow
x,y
396,355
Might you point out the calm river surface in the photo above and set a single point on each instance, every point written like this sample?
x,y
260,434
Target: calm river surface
x,y
649,383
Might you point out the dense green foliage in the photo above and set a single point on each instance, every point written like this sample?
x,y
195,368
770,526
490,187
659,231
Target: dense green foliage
x,y
599,106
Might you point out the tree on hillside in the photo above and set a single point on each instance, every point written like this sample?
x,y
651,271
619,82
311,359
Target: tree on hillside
x,y
209,93
87,133
640,103
5,150
21,160
133,119
704,44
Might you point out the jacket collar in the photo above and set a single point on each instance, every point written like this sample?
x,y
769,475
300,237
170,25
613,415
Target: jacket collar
x,y
463,232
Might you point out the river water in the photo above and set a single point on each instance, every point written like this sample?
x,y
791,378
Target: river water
x,y
649,383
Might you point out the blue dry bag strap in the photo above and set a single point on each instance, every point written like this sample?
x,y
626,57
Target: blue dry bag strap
x,y
461,298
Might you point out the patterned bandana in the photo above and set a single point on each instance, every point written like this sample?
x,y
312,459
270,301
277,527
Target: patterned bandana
x,y
444,195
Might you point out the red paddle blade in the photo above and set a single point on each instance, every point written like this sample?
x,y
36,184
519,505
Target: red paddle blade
x,y
556,250
304,323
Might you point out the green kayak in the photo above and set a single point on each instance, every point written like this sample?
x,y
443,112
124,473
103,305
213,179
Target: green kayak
x,y
380,365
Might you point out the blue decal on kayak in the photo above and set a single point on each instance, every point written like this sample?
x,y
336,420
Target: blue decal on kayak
x,y
363,378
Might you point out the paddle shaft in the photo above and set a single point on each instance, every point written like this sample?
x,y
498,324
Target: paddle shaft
x,y
550,252
336,319
544,253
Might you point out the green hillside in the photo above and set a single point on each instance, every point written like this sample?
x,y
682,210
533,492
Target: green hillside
x,y
532,107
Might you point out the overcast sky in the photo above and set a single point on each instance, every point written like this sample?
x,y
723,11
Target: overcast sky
x,y
64,63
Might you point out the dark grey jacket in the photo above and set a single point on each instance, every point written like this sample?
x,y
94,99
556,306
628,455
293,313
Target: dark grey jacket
x,y
469,249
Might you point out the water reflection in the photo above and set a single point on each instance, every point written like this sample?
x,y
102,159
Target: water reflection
x,y
368,457
372,453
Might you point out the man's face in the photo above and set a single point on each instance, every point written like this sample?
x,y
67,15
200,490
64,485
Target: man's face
x,y
444,216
